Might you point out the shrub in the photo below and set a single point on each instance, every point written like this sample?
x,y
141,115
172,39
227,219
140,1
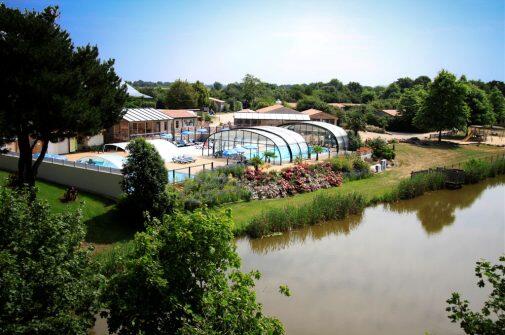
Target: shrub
x,y
381,149
360,165
419,184
235,170
192,204
476,170
355,141
343,164
323,207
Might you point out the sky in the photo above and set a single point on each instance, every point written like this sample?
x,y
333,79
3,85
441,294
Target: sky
x,y
285,42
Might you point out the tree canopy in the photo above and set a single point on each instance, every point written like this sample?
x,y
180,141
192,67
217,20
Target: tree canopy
x,y
47,282
444,106
498,103
48,88
481,110
180,95
183,277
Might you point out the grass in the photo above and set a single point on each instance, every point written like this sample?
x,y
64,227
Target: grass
x,y
100,214
408,158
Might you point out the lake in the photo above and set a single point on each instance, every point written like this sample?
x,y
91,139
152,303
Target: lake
x,y
387,271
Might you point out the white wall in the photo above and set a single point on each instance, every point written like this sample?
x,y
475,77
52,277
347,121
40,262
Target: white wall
x,y
102,183
59,147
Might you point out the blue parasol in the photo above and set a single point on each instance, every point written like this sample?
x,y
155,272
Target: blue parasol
x,y
202,131
229,152
186,132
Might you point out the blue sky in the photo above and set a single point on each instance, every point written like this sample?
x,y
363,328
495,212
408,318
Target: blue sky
x,y
281,41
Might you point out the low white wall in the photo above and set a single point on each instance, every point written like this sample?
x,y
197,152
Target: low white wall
x,y
102,183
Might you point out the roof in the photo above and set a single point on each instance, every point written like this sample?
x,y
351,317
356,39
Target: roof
x,y
391,112
339,133
217,100
278,109
131,91
179,113
314,111
144,114
343,104
271,116
245,111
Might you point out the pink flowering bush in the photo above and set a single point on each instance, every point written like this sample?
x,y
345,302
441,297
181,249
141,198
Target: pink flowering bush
x,y
299,178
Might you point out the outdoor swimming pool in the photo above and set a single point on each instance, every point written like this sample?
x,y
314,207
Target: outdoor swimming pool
x,y
109,161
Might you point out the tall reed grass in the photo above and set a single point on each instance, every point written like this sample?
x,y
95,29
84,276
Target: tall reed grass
x,y
477,170
323,207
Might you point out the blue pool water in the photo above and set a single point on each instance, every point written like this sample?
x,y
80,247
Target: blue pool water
x,y
179,176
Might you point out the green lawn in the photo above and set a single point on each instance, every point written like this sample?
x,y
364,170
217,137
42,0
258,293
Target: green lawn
x,y
99,214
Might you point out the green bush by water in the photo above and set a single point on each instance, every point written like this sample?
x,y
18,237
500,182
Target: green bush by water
x,y
477,170
324,207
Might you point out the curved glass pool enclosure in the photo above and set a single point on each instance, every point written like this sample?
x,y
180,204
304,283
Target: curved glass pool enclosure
x,y
255,141
320,133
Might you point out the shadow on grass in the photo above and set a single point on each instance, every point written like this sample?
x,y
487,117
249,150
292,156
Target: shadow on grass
x,y
109,227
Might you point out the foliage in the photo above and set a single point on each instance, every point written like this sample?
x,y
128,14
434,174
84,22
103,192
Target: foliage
x,y
477,170
48,88
420,184
144,183
355,141
309,102
481,110
47,282
214,188
180,95
491,319
256,162
201,94
269,155
183,277
444,106
356,120
497,100
317,149
324,207
409,105
380,149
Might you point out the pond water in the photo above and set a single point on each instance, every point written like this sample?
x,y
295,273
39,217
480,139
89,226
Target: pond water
x,y
387,271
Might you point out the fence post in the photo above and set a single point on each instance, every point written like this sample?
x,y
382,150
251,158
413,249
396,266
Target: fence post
x,y
173,176
189,172
212,166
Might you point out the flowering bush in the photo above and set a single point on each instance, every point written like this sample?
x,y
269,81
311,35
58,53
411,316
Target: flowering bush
x,y
296,179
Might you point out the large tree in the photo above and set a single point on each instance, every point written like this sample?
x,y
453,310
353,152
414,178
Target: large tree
x,y
498,102
409,105
48,88
481,110
145,182
202,94
181,94
48,284
183,277
444,106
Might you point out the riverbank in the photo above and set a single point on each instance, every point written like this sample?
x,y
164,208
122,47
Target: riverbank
x,y
409,158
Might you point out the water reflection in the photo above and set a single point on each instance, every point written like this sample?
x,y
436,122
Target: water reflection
x,y
436,210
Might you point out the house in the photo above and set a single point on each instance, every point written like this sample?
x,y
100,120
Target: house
x,y
317,115
182,118
217,105
277,109
145,122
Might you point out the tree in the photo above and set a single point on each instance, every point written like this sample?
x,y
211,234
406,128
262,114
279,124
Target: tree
x,y
392,92
444,106
269,155
404,83
217,86
423,81
251,88
317,150
48,88
356,120
183,276
409,105
309,102
47,283
498,102
256,162
145,182
202,95
180,95
491,319
368,95
481,110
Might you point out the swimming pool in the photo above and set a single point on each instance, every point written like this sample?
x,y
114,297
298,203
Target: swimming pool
x,y
179,176
109,161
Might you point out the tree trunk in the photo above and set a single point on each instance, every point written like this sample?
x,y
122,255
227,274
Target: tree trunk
x,y
25,171
39,160
439,136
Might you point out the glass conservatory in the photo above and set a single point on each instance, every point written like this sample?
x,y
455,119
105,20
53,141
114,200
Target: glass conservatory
x,y
320,133
255,141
